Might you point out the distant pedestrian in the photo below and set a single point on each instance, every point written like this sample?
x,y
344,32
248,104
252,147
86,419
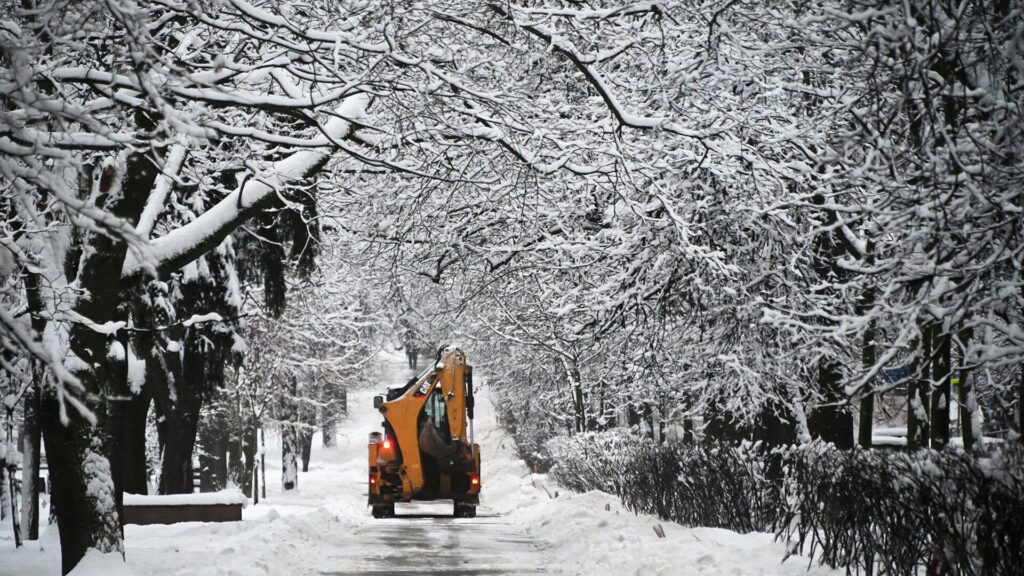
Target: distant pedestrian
x,y
411,348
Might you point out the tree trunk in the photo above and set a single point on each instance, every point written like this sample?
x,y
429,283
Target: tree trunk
x,y
213,449
176,465
30,458
10,492
579,407
5,498
868,358
290,450
134,464
941,392
250,448
291,442
236,452
82,489
918,432
329,427
831,422
78,448
307,446
306,423
177,427
968,408
867,415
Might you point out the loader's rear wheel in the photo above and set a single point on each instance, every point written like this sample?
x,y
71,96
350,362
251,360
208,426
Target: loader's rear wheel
x,y
465,510
384,511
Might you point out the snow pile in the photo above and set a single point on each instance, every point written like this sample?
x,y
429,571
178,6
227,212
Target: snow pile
x,y
593,534
98,563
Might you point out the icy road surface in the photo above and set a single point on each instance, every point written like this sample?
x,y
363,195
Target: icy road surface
x,y
525,525
428,541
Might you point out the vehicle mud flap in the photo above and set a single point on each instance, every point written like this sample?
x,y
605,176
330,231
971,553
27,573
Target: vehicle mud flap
x,y
384,510
463,510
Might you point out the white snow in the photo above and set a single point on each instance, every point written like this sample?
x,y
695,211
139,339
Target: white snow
x,y
881,440
230,496
136,372
525,523
198,318
97,563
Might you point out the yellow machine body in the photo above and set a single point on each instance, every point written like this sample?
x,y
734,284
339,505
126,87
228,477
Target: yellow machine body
x,y
400,463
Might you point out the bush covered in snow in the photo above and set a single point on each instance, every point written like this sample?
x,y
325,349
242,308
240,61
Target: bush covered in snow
x,y
891,512
874,512
721,486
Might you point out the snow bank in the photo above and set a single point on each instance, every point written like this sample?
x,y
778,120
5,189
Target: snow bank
x,y
594,534
97,563
230,496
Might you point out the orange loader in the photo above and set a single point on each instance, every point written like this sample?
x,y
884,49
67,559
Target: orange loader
x,y
424,452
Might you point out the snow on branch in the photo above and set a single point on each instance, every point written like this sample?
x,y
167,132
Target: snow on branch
x,y
182,245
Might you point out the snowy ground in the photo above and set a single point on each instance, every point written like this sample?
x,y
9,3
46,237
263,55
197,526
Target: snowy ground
x,y
526,525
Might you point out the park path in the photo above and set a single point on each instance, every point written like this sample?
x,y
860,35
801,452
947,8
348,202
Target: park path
x,y
423,538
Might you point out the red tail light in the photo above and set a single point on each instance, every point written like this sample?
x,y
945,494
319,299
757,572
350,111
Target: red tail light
x,y
386,444
474,480
373,480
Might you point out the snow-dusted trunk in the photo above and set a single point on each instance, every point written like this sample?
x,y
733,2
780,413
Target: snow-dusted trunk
x,y
307,423
30,460
5,498
213,449
290,448
82,483
571,372
965,393
829,420
307,447
291,441
333,408
78,446
132,443
867,399
8,461
941,391
249,447
177,434
177,401
868,357
329,429
919,393
1020,407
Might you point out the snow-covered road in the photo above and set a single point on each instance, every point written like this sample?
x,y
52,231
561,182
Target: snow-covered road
x,y
526,525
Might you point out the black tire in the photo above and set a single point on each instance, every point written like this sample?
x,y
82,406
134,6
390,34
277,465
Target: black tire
x,y
465,511
384,511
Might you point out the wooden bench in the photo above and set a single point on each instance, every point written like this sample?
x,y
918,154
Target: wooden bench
x,y
223,506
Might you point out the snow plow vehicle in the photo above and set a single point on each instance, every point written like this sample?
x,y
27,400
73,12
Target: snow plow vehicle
x,y
425,452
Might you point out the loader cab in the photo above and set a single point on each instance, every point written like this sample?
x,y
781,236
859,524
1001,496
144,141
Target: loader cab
x,y
435,412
